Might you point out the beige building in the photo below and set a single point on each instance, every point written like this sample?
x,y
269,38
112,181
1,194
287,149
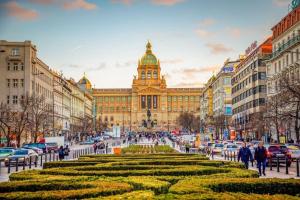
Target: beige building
x,y
249,91
127,107
285,60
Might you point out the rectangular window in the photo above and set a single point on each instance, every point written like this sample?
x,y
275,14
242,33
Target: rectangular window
x,y
15,99
22,66
15,52
186,98
8,66
8,99
143,101
149,102
174,99
22,82
15,66
100,99
123,99
112,99
8,82
169,99
15,83
155,101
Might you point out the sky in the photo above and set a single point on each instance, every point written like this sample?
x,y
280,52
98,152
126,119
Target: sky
x,y
105,38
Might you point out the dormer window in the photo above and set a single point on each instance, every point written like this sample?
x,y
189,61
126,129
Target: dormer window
x,y
149,75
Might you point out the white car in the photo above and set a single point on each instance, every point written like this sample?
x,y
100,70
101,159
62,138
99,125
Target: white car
x,y
294,151
230,149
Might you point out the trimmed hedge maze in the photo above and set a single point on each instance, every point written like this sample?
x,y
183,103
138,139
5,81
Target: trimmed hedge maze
x,y
161,176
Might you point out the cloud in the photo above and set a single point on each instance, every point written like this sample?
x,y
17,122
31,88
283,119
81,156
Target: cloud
x,y
166,2
16,10
189,84
194,72
203,33
126,2
125,64
43,2
171,61
76,48
207,22
98,68
218,48
234,32
79,4
281,3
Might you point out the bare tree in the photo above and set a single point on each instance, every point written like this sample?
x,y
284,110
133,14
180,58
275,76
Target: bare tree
x,y
188,121
290,96
38,113
20,118
5,121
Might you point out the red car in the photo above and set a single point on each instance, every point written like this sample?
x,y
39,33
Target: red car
x,y
280,151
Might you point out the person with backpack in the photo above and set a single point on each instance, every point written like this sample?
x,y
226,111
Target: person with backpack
x,y
61,153
260,155
245,155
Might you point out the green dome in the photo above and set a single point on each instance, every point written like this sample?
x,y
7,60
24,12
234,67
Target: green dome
x,y
149,58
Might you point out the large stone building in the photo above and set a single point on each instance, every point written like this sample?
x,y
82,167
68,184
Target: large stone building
x,y
128,107
285,61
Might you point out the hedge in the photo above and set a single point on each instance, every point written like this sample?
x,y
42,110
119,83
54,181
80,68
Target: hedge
x,y
146,149
140,195
249,185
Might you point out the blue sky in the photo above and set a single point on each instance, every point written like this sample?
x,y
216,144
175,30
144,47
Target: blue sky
x,y
105,38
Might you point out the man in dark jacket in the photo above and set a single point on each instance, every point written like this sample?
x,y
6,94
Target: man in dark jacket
x,y
260,156
245,155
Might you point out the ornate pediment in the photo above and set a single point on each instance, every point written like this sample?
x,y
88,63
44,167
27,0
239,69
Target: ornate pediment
x,y
149,90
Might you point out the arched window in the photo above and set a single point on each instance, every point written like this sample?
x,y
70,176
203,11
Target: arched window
x,y
149,75
155,74
143,75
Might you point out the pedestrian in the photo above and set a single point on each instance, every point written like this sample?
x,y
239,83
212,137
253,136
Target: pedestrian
x,y
260,156
245,155
66,150
187,148
61,153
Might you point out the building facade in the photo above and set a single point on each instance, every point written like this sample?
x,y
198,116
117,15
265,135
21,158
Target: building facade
x,y
249,91
127,107
222,101
285,60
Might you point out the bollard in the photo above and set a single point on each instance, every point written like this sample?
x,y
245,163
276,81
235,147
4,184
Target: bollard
x,y
224,155
230,155
252,163
46,157
50,157
36,160
29,162
278,170
286,165
297,167
24,163
41,160
8,169
234,158
270,163
212,155
17,164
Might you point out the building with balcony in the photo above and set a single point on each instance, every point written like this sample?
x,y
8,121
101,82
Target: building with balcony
x,y
285,60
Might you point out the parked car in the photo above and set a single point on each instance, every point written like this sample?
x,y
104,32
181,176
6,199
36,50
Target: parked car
x,y
294,151
22,155
230,148
42,146
217,148
37,150
280,151
87,142
52,147
4,153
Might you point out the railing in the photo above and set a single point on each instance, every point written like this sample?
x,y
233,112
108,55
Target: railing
x,y
285,46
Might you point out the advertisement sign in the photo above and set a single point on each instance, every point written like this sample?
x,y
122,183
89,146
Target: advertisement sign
x,y
232,135
228,110
228,69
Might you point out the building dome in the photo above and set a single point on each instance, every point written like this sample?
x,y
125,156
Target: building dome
x,y
149,58
85,82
